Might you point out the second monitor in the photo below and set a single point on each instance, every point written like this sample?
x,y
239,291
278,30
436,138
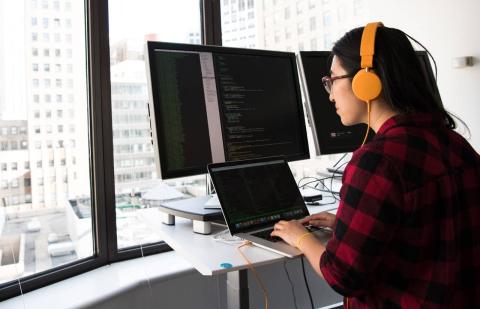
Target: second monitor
x,y
330,135
216,104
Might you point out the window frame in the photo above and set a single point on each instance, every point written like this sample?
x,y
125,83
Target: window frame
x,y
101,152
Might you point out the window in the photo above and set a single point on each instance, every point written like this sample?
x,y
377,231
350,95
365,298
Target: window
x,y
136,96
3,166
35,50
313,23
14,183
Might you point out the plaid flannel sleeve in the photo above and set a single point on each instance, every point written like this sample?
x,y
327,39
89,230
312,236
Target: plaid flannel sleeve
x,y
367,218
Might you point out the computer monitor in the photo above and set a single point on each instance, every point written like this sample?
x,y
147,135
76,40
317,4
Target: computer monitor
x,y
330,135
211,104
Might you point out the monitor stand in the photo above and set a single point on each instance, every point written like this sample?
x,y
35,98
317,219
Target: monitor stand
x,y
193,209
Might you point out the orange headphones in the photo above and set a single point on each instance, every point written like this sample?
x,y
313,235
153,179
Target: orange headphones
x,y
366,85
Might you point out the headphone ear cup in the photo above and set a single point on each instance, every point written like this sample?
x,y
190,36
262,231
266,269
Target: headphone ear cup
x,y
366,85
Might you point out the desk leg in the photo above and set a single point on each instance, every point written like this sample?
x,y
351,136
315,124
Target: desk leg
x,y
237,289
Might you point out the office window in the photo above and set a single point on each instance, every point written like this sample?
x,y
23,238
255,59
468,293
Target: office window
x,y
327,18
13,145
36,47
3,166
14,184
153,16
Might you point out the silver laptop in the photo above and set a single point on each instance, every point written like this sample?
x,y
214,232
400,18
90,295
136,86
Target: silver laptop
x,y
254,195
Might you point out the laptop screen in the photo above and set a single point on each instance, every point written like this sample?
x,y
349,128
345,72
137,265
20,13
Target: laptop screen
x,y
255,193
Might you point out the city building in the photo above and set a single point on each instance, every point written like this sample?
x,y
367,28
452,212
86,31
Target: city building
x,y
56,100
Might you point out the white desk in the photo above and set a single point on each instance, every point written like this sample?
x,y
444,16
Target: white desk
x,y
208,255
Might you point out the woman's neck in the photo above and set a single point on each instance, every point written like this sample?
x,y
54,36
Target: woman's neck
x,y
380,113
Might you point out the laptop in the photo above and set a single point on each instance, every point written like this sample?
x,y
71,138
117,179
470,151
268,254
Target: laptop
x,y
254,195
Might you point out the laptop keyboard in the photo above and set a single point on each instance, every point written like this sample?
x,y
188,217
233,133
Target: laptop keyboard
x,y
266,235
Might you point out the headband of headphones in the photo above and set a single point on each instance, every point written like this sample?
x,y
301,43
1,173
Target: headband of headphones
x,y
367,46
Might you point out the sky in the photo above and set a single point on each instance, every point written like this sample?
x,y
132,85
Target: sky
x,y
172,20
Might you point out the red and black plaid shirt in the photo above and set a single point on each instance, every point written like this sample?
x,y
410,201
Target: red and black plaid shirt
x,y
407,233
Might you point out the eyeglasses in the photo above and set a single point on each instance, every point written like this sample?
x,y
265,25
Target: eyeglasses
x,y
327,81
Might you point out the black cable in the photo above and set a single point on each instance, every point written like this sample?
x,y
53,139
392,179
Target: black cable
x,y
306,283
291,284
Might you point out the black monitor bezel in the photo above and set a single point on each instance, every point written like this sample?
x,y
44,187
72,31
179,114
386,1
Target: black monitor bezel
x,y
151,46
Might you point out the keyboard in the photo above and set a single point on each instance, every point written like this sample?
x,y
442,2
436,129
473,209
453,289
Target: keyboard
x,y
266,235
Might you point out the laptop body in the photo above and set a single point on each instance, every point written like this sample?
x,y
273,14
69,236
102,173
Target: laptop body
x,y
254,195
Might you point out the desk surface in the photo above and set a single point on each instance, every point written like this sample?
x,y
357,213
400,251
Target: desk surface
x,y
206,254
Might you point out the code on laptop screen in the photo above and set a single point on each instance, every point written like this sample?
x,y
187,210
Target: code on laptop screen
x,y
257,194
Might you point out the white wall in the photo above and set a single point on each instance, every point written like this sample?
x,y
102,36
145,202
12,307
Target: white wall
x,y
448,28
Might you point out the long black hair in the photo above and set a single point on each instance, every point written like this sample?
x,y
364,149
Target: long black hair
x,y
404,85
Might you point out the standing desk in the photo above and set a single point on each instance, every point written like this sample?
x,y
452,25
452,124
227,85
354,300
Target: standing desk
x,y
207,255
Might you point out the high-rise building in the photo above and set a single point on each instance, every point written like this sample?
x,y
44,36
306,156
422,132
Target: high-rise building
x,y
242,23
56,100
289,25
132,147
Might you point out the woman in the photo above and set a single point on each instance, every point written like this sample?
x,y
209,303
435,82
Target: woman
x,y
407,230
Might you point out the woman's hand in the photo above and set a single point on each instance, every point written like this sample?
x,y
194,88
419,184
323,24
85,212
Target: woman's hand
x,y
289,231
323,219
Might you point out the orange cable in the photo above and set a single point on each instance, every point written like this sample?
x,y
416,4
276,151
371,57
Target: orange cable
x,y
368,124
265,294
